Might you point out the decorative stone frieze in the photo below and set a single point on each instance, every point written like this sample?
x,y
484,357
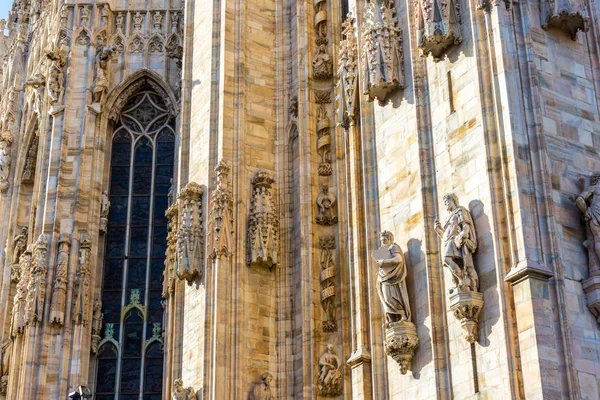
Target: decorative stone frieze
x,y
59,286
190,233
588,202
262,390
438,26
36,285
382,50
326,207
19,246
6,140
82,283
328,275
182,393
97,318
104,210
330,374
263,224
401,340
347,74
569,16
324,142
459,242
221,214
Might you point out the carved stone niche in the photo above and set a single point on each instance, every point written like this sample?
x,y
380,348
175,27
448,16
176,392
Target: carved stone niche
x,y
567,15
438,26
190,233
382,50
263,224
466,307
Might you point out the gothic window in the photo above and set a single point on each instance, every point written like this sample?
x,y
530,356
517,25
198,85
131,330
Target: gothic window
x,y
130,359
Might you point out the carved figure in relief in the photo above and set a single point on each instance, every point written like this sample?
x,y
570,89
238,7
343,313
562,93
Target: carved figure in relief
x,y
391,279
322,64
5,366
104,210
59,288
138,19
181,393
20,244
56,79
262,391
96,324
101,84
5,159
17,323
588,202
325,203
330,374
82,282
459,243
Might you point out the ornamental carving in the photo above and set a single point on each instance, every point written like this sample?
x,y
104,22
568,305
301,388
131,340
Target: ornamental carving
x,y
19,246
347,74
104,210
401,339
221,214
36,285
18,321
59,286
172,215
97,318
6,140
328,275
321,21
262,390
322,64
30,162
438,26
569,16
326,207
466,307
182,393
82,283
330,374
102,82
263,223
324,142
382,50
190,233
56,75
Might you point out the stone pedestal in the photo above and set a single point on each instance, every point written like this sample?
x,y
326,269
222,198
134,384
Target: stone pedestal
x,y
401,343
466,307
591,287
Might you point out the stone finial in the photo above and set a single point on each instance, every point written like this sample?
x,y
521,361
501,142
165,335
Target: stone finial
x,y
439,26
190,233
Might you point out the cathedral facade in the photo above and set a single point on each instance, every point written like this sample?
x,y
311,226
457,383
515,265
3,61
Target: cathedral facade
x,y
260,199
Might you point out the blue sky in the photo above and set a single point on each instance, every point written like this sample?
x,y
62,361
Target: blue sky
x,y
5,6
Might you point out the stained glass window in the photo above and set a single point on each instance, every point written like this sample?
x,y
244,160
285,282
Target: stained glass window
x,y
130,358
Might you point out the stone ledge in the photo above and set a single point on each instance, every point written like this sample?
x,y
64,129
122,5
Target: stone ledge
x,y
526,270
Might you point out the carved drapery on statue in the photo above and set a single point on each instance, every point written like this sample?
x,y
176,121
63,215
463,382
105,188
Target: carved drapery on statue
x,y
190,234
348,75
328,275
221,214
82,283
382,50
330,374
59,286
263,223
459,242
401,340
438,26
36,286
6,140
570,16
588,202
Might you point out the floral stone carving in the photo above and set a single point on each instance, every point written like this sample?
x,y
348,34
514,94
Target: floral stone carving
x,y
588,202
569,16
401,339
438,26
459,242
382,50
263,223
330,374
190,233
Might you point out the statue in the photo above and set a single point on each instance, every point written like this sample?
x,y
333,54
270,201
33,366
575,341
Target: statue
x,y
96,324
101,84
5,366
325,203
588,202
56,78
181,393
59,292
19,245
104,209
262,391
391,279
459,243
5,159
322,64
330,376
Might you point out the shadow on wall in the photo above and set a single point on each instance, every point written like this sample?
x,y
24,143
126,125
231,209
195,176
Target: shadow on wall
x,y
485,263
416,283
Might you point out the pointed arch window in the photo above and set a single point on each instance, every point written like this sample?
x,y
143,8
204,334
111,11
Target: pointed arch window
x,y
130,360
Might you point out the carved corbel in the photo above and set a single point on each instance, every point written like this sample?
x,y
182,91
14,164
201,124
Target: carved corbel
x,y
190,233
438,26
263,224
569,16
466,307
382,50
